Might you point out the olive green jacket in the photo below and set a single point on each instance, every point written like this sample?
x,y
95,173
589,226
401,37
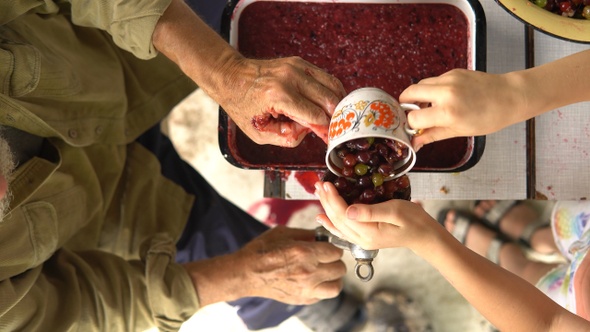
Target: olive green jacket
x,y
89,242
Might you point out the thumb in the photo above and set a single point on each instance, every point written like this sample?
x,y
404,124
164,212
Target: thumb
x,y
287,134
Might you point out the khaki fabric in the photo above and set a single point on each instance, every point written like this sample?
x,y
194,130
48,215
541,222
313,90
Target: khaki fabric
x,y
89,243
129,22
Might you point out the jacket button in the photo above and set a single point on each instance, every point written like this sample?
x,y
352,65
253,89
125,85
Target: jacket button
x,y
72,133
98,130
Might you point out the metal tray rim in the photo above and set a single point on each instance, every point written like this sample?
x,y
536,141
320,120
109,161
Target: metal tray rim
x,y
478,51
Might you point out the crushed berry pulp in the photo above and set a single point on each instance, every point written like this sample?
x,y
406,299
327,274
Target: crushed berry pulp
x,y
388,46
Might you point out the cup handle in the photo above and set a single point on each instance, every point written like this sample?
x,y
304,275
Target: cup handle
x,y
409,107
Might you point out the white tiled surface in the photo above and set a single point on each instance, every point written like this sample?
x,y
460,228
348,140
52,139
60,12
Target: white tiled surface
x,y
563,135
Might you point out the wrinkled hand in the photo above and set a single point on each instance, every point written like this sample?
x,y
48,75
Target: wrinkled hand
x,y
288,265
394,223
463,103
274,101
280,101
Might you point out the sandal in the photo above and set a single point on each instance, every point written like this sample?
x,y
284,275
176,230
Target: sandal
x,y
463,221
493,253
494,215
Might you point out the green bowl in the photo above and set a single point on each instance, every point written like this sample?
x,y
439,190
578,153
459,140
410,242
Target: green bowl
x,y
572,29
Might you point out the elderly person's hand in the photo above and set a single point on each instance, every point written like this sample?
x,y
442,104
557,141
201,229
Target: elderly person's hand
x,y
284,264
280,101
276,101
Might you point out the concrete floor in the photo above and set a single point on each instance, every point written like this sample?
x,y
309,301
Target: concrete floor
x,y
193,128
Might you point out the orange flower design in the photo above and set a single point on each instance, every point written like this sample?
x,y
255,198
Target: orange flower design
x,y
384,116
340,126
376,113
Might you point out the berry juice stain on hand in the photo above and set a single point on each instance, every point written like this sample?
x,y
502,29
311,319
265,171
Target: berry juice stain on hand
x,y
293,131
272,121
260,122
281,125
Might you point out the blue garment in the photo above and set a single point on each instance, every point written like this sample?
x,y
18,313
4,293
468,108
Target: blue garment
x,y
210,11
215,227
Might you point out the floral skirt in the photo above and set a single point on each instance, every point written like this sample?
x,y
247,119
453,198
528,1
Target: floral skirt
x,y
571,231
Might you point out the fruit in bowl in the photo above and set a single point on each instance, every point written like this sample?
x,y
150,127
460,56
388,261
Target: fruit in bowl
x,y
570,8
572,23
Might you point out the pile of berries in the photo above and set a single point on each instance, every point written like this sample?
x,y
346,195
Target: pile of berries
x,y
569,8
367,165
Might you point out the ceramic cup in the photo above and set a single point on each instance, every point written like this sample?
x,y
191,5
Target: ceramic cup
x,y
370,112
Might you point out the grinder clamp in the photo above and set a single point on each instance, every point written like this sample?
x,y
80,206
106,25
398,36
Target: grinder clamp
x,y
364,258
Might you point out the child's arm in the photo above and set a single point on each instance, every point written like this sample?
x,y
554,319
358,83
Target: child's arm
x,y
470,103
506,300
509,302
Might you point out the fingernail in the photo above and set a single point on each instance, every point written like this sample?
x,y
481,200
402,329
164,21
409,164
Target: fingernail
x,y
326,187
352,213
319,221
337,233
318,187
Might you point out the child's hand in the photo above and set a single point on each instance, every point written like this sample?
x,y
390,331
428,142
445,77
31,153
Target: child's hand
x,y
464,103
395,223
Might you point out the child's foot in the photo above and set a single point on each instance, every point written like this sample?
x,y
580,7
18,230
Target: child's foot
x,y
519,222
471,231
468,230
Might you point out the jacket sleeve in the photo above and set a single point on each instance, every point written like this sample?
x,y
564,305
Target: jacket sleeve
x,y
97,291
131,23
67,265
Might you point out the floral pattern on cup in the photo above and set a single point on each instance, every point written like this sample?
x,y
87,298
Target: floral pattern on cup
x,y
377,114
